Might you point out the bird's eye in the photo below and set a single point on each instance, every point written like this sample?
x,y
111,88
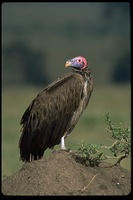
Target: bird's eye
x,y
79,60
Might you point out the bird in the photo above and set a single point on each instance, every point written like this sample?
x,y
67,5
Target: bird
x,y
54,112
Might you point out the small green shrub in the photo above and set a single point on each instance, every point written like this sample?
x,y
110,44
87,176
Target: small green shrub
x,y
120,147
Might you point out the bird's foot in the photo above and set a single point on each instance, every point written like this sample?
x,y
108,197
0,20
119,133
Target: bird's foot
x,y
65,149
62,149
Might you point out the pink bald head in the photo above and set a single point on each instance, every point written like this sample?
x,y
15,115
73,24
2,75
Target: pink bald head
x,y
78,62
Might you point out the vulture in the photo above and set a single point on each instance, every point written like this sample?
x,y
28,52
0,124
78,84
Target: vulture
x,y
55,111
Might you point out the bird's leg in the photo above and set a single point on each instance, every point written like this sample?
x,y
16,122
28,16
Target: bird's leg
x,y
63,147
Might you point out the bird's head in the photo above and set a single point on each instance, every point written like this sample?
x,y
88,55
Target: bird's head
x,y
78,63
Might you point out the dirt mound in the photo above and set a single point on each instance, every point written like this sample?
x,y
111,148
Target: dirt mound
x,y
61,174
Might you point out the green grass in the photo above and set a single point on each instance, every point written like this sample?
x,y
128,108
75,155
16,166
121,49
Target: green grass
x,y
90,128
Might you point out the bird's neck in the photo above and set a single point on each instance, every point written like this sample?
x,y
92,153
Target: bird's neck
x,y
86,74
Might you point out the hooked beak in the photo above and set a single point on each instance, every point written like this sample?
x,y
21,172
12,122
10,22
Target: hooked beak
x,y
68,64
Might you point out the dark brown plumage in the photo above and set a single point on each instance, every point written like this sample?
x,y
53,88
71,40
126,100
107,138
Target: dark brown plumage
x,y
53,114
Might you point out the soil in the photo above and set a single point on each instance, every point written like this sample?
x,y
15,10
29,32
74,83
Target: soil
x,y
63,174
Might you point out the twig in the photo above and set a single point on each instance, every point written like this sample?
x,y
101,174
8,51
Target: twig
x,y
120,159
116,157
82,190
108,130
105,147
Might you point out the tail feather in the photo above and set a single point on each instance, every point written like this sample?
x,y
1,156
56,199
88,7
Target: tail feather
x,y
28,152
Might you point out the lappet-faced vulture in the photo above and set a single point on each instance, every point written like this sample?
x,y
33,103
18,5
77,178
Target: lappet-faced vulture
x,y
53,114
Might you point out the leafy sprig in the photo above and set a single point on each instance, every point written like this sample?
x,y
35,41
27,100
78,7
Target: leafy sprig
x,y
120,147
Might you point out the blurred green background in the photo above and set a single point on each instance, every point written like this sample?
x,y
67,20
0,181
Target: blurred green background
x,y
37,39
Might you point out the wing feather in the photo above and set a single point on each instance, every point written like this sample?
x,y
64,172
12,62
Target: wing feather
x,y
48,116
